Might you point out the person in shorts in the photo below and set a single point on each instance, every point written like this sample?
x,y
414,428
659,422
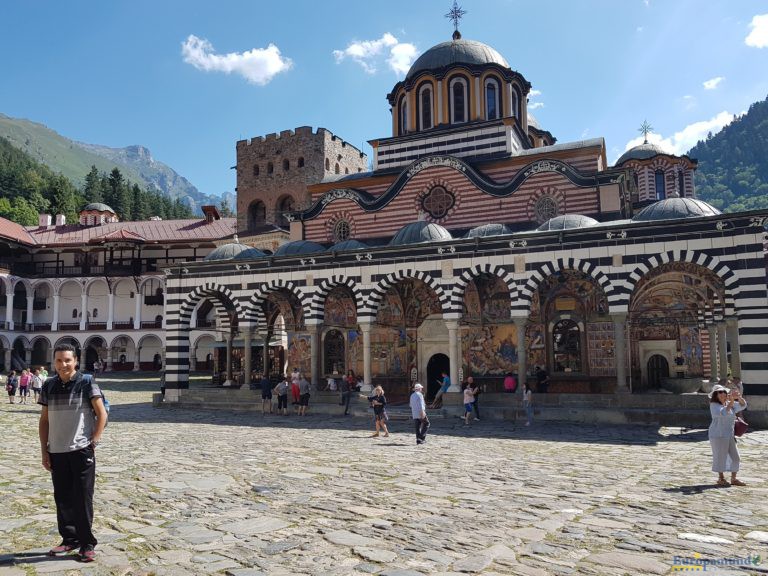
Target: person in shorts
x,y
469,400
303,396
282,396
11,386
37,384
266,394
24,381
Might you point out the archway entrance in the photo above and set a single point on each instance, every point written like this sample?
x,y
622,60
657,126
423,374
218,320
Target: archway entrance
x,y
437,364
658,369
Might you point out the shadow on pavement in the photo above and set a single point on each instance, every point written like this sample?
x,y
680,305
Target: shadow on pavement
x,y
693,489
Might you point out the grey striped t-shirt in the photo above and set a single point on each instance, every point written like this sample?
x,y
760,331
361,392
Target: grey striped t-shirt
x,y
71,420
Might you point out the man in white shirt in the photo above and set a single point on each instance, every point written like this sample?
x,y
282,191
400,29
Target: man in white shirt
x,y
419,413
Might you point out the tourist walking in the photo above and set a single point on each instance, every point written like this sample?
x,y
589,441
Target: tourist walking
x,y
469,398
304,393
379,403
724,404
528,403
37,384
11,386
266,394
72,421
347,386
542,380
445,383
24,381
510,384
476,392
282,396
419,413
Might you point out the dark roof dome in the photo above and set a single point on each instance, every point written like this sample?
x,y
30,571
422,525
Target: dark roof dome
x,y
418,232
641,152
98,206
350,244
456,52
226,251
250,254
675,209
488,230
568,222
299,247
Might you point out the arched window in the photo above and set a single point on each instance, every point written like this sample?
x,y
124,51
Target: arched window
x,y
327,164
333,352
284,206
74,313
681,183
336,168
566,347
286,165
341,231
514,106
257,214
270,168
425,107
661,188
459,101
492,99
256,170
402,116
95,313
346,170
300,163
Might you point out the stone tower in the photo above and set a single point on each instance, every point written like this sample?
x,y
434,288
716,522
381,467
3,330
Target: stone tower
x,y
273,172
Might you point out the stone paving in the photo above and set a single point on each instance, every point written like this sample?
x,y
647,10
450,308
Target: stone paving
x,y
202,492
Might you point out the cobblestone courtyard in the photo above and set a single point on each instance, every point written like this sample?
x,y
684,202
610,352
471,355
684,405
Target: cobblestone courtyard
x,y
197,492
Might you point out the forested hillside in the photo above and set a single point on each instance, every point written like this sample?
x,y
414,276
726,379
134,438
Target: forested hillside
x,y
28,188
733,164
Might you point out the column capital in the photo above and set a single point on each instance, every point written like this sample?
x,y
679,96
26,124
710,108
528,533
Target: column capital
x,y
518,320
365,326
452,324
619,316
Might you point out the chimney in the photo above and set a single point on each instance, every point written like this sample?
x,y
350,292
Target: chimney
x,y
211,214
44,220
61,220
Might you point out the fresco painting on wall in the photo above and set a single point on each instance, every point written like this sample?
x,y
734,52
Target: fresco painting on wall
x,y
340,308
355,351
299,352
690,344
492,350
534,337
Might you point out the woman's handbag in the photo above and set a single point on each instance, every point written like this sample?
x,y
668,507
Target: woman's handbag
x,y
740,426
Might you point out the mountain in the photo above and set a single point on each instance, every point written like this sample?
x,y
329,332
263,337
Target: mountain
x,y
733,164
74,160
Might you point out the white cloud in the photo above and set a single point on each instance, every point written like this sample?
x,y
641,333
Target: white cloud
x,y
758,36
257,66
712,83
368,53
535,105
682,141
689,101
534,93
584,133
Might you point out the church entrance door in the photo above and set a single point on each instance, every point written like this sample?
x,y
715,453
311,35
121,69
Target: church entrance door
x,y
437,364
658,369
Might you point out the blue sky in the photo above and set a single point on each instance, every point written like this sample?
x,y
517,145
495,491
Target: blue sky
x,y
189,78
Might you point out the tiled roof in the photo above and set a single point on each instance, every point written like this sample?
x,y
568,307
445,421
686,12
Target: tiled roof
x,y
149,231
13,231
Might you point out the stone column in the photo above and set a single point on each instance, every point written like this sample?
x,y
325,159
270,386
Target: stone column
x,y
722,349
732,327
193,360
55,319
7,359
30,310
265,354
229,356
620,351
246,357
439,101
713,371
137,313
314,347
110,359
28,357
453,356
9,310
365,328
165,308
110,310
522,354
83,310
136,363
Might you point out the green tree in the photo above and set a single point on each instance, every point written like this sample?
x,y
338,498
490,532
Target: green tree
x,y
22,212
92,190
5,208
64,199
140,205
225,209
115,182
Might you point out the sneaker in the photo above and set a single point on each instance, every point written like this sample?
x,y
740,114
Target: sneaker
x,y
87,554
62,548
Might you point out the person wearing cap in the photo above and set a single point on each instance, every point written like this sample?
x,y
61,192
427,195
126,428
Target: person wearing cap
x,y
724,404
419,413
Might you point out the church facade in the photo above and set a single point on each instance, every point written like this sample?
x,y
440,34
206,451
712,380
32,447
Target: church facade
x,y
477,245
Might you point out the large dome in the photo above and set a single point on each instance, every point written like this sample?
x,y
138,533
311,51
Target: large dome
x,y
568,222
99,207
641,152
418,232
455,52
227,251
486,230
299,247
350,244
675,209
250,254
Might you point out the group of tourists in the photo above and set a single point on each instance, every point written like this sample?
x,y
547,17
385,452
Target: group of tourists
x,y
299,389
22,383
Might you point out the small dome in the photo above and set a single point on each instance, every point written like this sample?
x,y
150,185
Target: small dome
x,y
488,230
641,152
99,207
250,254
456,52
568,222
299,247
675,209
348,245
418,232
226,251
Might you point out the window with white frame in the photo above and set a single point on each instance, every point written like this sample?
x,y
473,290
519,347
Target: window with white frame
x,y
459,101
492,99
402,116
425,107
